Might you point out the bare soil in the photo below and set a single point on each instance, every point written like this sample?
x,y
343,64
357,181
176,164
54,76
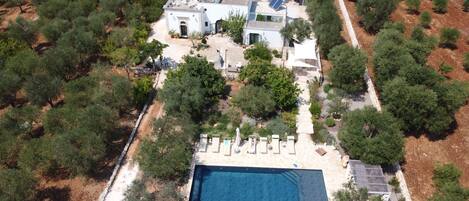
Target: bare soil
x,y
8,14
422,154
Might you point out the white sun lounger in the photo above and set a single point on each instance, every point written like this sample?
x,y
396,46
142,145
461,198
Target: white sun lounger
x,y
215,144
252,145
275,144
263,145
291,144
203,143
227,147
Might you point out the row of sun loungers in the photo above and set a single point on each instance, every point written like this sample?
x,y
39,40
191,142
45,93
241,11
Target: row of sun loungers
x,y
252,143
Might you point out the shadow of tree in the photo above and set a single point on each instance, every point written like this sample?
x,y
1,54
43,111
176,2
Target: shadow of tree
x,y
54,194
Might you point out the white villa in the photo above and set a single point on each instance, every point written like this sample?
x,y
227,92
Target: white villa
x,y
206,16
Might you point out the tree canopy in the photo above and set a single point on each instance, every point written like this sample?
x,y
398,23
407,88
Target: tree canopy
x,y
259,51
193,88
374,13
348,70
255,101
372,137
168,152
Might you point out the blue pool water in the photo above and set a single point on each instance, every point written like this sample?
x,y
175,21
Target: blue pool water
x,y
216,183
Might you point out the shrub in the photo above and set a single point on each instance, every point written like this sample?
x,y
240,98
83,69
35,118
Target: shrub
x,y
375,13
259,51
255,101
466,61
348,68
448,37
425,19
326,24
371,136
440,6
413,5
315,109
276,54
445,68
234,26
330,122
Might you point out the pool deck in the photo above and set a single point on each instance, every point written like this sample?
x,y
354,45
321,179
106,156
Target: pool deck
x,y
305,158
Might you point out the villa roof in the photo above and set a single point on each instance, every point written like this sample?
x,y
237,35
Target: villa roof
x,y
370,177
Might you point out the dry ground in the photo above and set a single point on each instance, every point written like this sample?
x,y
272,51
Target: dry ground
x,y
422,153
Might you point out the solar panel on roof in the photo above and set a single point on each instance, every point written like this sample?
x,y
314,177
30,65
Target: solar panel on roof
x,y
275,4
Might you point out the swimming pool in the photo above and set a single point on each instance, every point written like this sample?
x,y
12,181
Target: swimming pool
x,y
217,183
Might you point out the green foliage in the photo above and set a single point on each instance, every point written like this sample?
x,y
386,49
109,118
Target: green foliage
x,y
255,101
413,5
278,81
278,127
298,30
16,185
19,121
138,192
351,193
23,63
445,68
53,29
9,47
338,107
326,23
168,152
234,115
315,109
193,88
465,62
446,179
411,104
143,87
154,49
440,6
234,26
124,57
372,137
330,122
79,150
61,61
10,83
425,19
374,13
256,72
22,30
42,88
260,51
282,85
349,65
390,55
448,37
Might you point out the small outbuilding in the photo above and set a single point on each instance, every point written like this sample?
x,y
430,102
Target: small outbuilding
x,y
370,177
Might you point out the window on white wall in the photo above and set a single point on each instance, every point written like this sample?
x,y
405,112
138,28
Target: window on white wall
x,y
206,24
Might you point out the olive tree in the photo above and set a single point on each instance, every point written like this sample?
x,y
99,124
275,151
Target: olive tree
x,y
374,13
255,101
440,6
17,185
167,153
348,68
372,137
449,36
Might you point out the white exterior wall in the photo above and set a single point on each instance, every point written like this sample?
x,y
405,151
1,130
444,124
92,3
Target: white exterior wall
x,y
193,19
273,38
217,12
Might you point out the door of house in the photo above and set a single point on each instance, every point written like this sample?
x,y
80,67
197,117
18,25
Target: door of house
x,y
218,26
183,29
254,38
